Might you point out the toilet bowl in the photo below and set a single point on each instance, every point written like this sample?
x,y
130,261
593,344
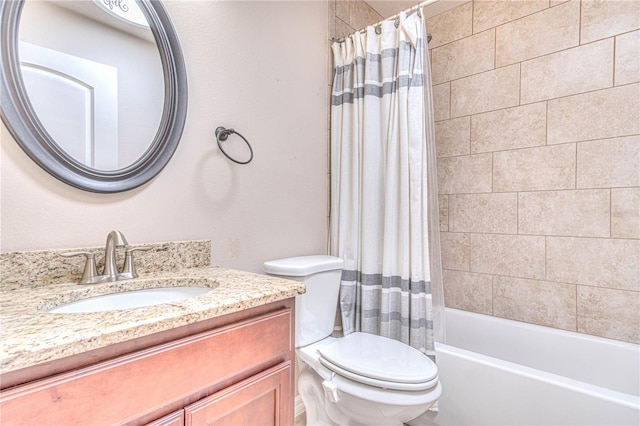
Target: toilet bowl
x,y
359,379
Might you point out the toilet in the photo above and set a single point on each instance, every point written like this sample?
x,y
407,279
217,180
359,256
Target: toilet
x,y
360,379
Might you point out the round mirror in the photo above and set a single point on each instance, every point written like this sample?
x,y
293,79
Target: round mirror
x,y
94,91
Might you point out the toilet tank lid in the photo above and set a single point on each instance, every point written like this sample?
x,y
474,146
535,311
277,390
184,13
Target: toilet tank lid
x,y
303,265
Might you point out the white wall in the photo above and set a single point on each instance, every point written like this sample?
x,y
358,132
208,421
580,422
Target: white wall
x,y
258,67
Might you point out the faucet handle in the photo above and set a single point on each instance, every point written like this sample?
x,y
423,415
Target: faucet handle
x,y
129,269
90,273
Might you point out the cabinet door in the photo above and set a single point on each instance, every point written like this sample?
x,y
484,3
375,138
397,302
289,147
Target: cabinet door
x,y
261,400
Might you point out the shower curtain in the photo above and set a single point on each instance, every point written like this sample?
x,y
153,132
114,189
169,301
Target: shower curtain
x,y
384,211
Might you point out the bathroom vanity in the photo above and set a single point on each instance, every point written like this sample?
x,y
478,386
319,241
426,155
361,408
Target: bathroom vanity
x,y
225,357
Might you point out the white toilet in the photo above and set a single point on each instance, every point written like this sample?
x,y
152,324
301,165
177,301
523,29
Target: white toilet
x,y
359,379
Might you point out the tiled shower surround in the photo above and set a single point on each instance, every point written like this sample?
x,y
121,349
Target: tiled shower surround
x,y
537,109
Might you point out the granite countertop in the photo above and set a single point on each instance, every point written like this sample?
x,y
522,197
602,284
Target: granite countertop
x,y
29,335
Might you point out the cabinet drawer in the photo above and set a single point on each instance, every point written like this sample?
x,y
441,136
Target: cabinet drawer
x,y
166,377
261,400
173,419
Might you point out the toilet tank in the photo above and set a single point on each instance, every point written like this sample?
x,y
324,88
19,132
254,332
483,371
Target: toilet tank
x,y
316,309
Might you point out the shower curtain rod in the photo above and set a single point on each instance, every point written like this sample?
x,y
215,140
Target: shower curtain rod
x,y
391,18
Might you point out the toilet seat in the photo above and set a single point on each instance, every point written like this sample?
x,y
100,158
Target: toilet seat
x,y
379,361
379,383
382,395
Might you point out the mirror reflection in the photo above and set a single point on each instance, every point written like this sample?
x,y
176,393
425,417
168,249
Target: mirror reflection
x,y
93,74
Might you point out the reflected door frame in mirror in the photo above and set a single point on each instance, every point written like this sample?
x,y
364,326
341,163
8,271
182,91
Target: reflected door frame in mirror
x,y
18,114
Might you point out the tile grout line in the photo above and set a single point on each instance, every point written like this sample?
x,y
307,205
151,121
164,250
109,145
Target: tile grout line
x,y
615,45
448,213
576,294
450,100
495,48
470,127
519,83
546,124
518,213
473,11
580,24
575,169
492,294
546,278
531,191
610,213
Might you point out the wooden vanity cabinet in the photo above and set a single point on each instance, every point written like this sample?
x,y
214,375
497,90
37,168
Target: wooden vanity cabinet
x,y
239,371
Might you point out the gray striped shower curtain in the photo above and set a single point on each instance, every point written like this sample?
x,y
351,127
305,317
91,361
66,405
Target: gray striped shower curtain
x,y
384,209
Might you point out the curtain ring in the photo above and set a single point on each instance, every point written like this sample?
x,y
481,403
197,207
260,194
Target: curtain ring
x,y
222,134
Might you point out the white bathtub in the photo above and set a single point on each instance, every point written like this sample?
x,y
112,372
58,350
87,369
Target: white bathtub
x,y
500,372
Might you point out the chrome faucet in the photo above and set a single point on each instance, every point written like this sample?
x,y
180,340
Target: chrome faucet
x,y
114,239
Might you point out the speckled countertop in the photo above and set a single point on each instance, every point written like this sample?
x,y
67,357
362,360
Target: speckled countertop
x,y
29,335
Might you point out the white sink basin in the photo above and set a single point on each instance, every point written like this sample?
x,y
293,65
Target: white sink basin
x,y
130,299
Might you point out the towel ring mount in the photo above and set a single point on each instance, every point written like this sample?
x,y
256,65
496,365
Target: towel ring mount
x,y
222,134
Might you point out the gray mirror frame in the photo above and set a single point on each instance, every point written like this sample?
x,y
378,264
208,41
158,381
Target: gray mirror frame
x,y
23,124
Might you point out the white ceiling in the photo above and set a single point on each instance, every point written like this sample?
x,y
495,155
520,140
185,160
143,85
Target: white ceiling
x,y
388,8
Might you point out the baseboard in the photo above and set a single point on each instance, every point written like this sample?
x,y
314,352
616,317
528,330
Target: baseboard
x,y
298,407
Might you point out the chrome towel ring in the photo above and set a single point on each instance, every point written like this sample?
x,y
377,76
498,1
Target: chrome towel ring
x,y
222,134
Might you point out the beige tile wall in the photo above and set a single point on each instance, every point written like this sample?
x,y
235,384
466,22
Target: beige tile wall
x,y
537,110
348,16
538,138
